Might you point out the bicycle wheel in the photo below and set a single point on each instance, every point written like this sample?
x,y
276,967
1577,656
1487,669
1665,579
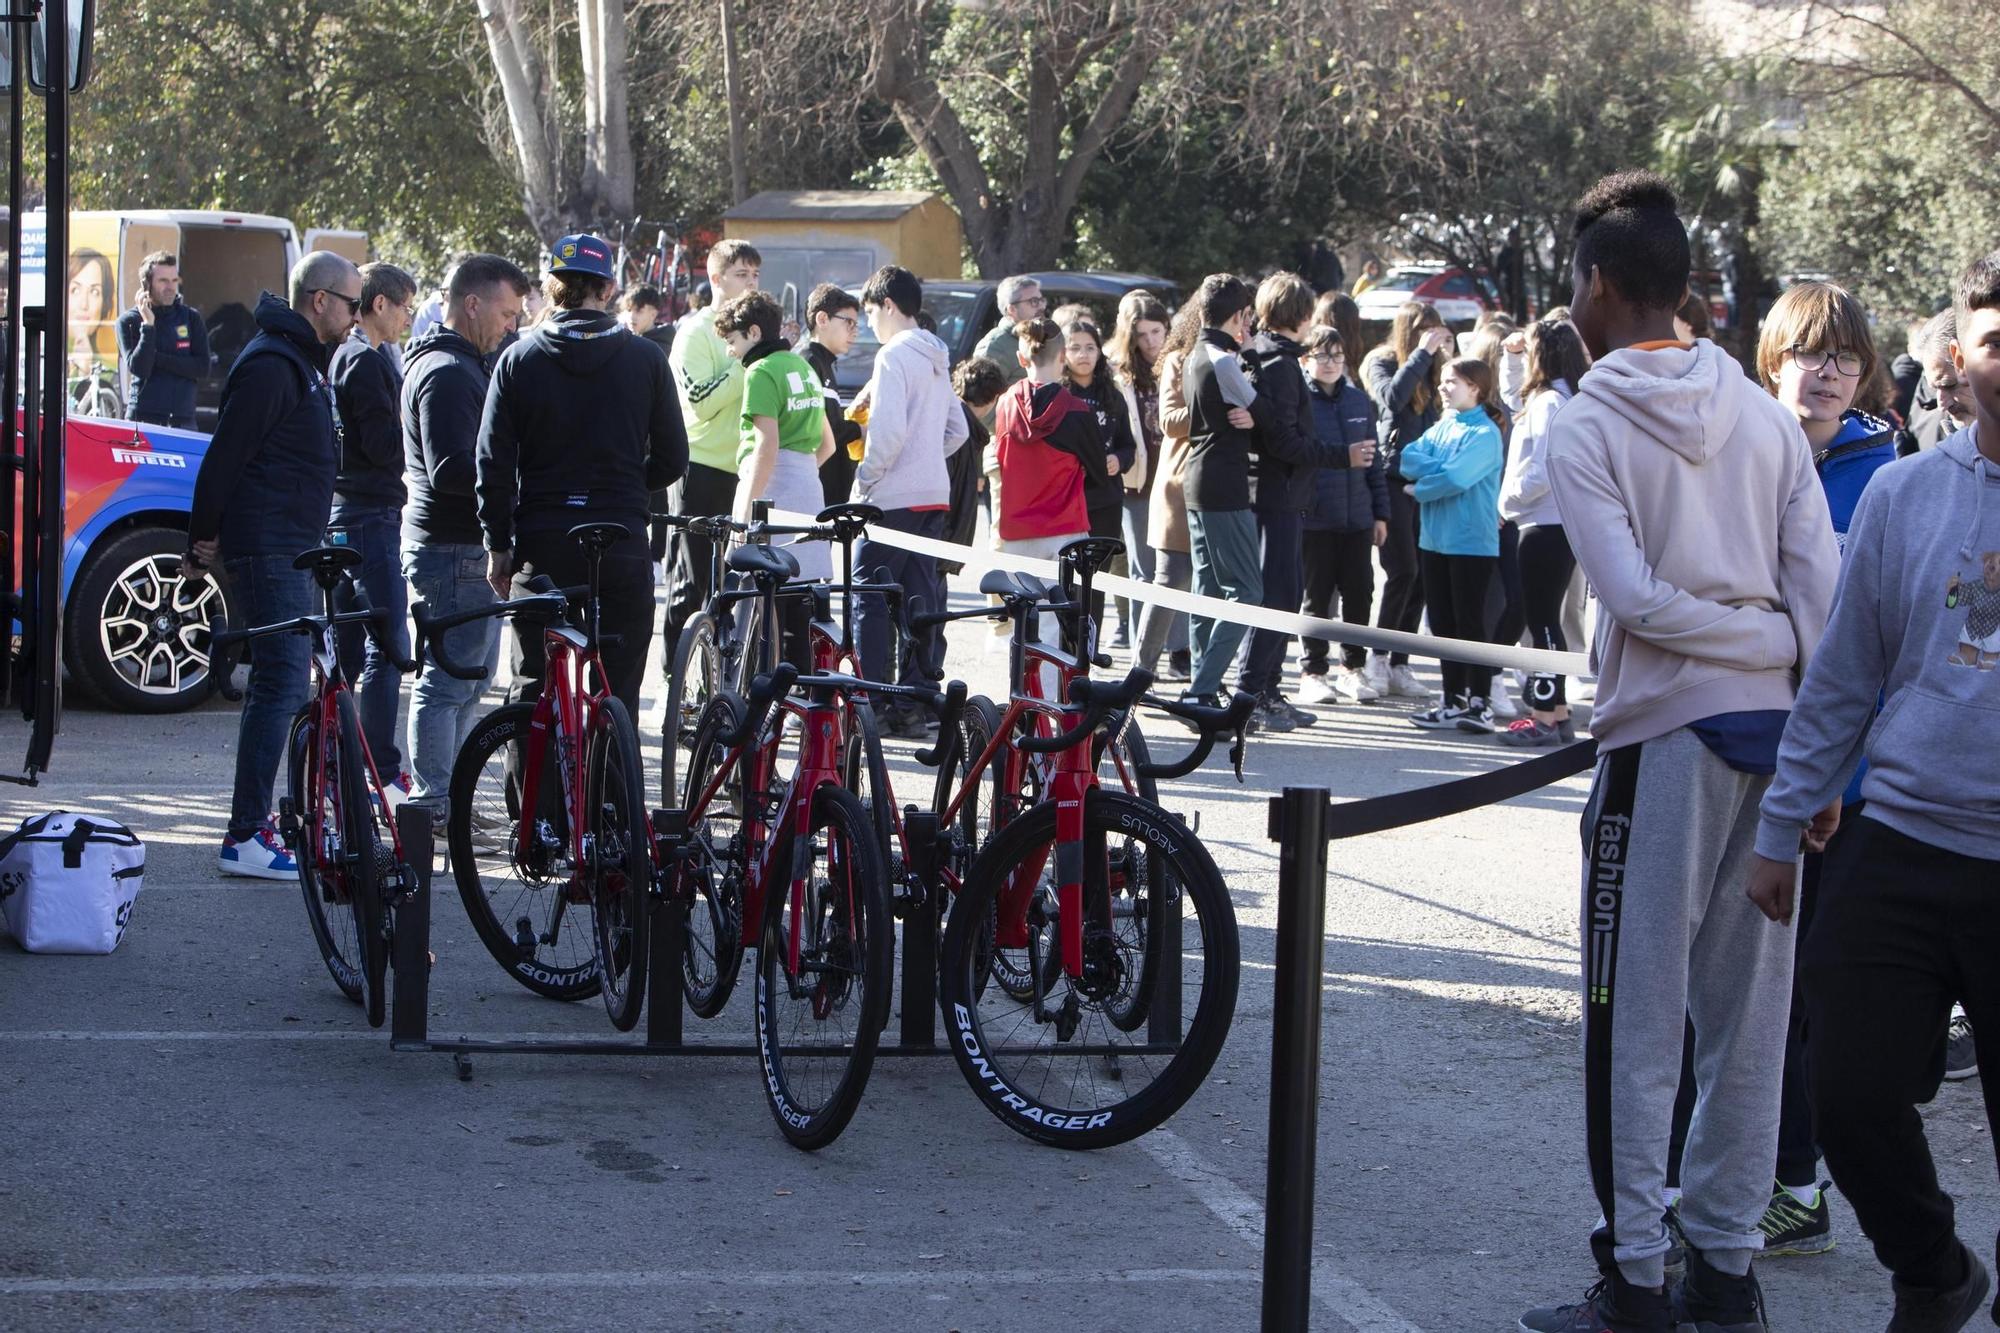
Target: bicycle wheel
x,y
1058,1066
694,679
618,867
368,859
311,826
518,902
711,875
820,1015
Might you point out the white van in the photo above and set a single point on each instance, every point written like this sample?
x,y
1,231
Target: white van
x,y
226,260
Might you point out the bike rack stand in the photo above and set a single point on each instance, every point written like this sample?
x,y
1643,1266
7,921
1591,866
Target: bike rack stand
x,y
664,1028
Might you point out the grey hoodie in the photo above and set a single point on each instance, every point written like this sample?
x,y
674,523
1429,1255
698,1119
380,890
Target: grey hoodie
x,y
914,424
1689,496
1917,623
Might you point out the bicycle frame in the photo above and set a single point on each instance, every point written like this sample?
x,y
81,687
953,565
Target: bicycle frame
x,y
566,712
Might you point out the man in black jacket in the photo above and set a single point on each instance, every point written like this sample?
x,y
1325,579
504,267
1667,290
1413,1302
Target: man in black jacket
x,y
444,395
262,496
165,345
368,503
581,422
832,315
1285,454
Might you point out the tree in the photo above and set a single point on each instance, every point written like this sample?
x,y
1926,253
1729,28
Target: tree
x,y
564,187
1012,102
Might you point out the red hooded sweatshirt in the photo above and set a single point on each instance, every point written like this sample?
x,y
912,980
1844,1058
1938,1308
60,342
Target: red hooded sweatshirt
x,y
1046,439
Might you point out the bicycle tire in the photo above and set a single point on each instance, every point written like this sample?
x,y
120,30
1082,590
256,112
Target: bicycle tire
x,y
1179,875
366,858
516,910
712,874
813,1105
321,884
620,868
1131,747
695,678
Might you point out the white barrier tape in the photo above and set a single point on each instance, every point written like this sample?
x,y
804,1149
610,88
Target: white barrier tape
x,y
1503,657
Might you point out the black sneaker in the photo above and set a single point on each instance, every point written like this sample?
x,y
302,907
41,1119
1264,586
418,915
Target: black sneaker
x,y
1180,665
1928,1310
1791,1227
1612,1306
1205,701
1264,717
1477,717
1713,1302
1439,717
1960,1059
1299,716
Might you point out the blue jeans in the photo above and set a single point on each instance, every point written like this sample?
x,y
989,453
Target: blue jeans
x,y
1228,563
921,582
448,578
377,532
264,590
1282,533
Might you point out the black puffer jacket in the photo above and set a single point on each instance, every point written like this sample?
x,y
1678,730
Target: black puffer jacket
x,y
1287,449
581,424
266,483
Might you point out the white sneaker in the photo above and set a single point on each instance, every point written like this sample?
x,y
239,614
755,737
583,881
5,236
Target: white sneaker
x,y
1403,684
1476,716
1504,708
1356,684
1319,689
260,856
1377,671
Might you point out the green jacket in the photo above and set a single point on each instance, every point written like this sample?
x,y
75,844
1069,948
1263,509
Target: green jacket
x,y
710,382
1001,344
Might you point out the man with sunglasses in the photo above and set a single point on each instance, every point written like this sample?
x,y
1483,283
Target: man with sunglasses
x,y
1020,298
263,495
832,315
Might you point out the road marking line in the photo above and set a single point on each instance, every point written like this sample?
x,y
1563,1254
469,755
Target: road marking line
x,y
1235,1209
231,1283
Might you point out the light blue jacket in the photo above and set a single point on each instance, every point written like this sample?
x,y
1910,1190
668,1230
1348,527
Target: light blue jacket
x,y
1456,466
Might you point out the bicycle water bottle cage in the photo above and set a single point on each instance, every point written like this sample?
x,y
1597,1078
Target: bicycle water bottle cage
x,y
594,537
767,561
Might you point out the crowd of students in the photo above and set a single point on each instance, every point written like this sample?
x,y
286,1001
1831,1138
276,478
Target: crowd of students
x,y
1756,697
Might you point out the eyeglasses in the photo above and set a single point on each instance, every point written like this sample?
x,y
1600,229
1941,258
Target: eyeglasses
x,y
353,302
1806,359
1329,358
1035,302
849,320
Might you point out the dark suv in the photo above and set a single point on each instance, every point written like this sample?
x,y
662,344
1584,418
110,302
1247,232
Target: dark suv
x,y
966,308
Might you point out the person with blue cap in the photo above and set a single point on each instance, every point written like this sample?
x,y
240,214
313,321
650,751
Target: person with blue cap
x,y
582,424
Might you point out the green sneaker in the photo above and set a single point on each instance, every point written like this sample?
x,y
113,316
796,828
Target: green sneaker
x,y
1791,1227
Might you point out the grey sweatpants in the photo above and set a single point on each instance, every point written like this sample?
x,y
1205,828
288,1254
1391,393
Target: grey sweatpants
x,y
1668,936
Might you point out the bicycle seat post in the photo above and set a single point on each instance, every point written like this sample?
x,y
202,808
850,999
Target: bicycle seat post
x,y
594,554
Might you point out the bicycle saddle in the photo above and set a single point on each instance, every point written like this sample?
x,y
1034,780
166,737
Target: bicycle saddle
x,y
327,559
757,558
597,536
850,516
1008,583
1092,553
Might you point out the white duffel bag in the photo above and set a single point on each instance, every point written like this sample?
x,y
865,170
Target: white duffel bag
x,y
67,882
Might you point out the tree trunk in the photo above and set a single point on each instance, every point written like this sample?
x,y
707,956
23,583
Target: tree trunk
x,y
530,115
608,186
732,87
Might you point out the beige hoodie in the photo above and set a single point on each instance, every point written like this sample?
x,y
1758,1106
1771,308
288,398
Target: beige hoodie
x,y
1689,497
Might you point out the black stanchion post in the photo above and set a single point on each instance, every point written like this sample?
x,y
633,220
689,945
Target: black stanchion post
x,y
410,1019
669,927
920,931
1299,826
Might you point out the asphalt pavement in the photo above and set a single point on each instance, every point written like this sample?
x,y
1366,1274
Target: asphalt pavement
x,y
200,1133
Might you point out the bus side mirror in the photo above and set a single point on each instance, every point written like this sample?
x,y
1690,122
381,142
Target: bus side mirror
x,y
82,16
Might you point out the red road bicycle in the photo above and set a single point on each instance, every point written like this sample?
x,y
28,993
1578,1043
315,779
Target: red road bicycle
x,y
548,815
791,865
334,817
1089,967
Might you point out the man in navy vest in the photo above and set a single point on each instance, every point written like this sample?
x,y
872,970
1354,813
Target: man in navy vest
x,y
165,345
262,496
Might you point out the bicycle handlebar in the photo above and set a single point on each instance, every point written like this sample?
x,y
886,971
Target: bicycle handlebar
x,y
1211,724
430,628
223,640
1096,700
